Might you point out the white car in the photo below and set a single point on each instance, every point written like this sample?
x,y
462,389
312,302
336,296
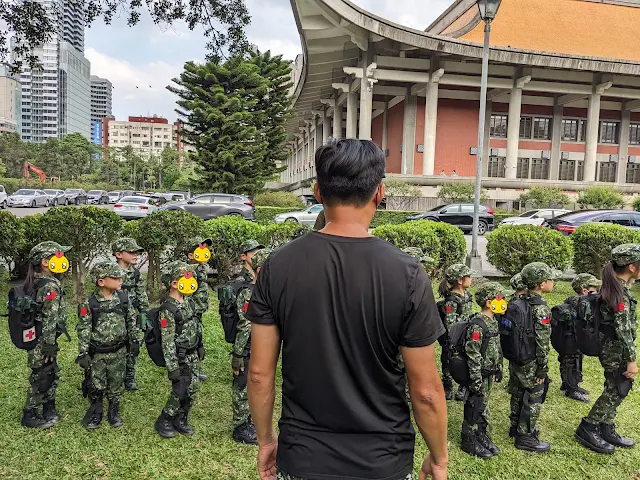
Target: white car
x,y
28,197
305,217
135,207
3,197
534,217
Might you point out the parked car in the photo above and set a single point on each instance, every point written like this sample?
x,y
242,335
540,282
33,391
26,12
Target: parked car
x,y
97,197
534,217
214,205
185,195
460,215
159,198
137,206
568,223
28,197
57,196
306,217
3,197
75,196
115,196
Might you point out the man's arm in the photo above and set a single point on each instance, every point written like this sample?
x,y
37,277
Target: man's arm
x,y
428,402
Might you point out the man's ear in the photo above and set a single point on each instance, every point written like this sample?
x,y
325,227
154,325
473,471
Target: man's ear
x,y
379,196
316,193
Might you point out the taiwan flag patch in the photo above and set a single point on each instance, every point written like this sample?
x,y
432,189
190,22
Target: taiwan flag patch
x,y
163,323
448,309
51,295
476,336
545,320
620,307
245,307
29,335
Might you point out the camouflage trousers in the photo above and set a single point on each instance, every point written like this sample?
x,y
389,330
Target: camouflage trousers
x,y
40,392
526,397
286,476
571,371
476,409
175,404
107,373
130,370
447,381
239,400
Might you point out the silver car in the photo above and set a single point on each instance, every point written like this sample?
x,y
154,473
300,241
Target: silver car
x,y
57,196
133,207
534,217
27,197
3,197
306,217
115,196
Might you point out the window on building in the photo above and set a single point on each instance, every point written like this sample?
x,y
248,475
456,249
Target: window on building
x,y
634,134
498,127
570,129
583,130
542,128
609,132
633,173
525,127
496,167
567,170
522,170
607,171
539,168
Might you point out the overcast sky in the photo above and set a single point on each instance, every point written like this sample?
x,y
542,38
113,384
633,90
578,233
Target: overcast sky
x,y
141,61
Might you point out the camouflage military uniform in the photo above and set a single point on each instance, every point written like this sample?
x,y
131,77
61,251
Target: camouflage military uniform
x,y
286,476
201,297
517,284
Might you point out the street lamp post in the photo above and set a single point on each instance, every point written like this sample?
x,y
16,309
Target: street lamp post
x,y
488,10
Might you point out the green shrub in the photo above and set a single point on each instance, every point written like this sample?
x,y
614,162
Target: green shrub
x,y
11,237
279,199
601,196
636,203
511,247
32,234
275,235
453,247
389,217
498,217
544,197
265,215
592,244
460,192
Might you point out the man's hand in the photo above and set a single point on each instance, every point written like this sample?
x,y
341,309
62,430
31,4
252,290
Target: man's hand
x,y
237,364
134,348
201,352
267,459
49,352
84,361
632,370
433,470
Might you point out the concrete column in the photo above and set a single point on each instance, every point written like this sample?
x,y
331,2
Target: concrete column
x,y
430,123
409,132
385,128
591,141
366,108
513,132
487,138
556,140
337,122
623,148
352,115
318,139
326,121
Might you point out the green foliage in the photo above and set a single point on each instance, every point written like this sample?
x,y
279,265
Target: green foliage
x,y
600,196
460,192
14,152
511,247
453,247
228,234
399,188
544,197
389,217
498,217
279,199
11,236
276,235
265,215
636,204
593,242
67,158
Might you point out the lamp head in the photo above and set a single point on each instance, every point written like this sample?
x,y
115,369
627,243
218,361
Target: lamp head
x,y
488,8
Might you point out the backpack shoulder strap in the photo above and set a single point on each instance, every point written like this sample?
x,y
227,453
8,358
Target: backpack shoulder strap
x,y
124,300
477,320
177,315
94,306
458,301
136,275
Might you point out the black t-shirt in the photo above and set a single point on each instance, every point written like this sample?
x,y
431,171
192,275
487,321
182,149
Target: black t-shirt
x,y
343,307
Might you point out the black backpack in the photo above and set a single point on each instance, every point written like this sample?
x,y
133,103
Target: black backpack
x,y
22,310
517,331
228,310
458,366
441,307
588,325
153,336
563,332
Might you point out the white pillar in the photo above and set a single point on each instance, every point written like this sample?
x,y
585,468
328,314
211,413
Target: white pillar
x,y
409,132
337,122
325,128
591,141
556,140
352,115
430,124
385,127
623,148
366,103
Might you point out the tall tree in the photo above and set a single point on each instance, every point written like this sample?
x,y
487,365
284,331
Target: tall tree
x,y
13,153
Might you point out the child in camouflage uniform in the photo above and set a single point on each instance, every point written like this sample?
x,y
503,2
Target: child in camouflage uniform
x,y
42,359
182,348
126,251
107,331
518,286
458,304
483,370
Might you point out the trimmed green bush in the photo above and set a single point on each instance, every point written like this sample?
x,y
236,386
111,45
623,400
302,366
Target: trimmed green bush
x,y
592,243
279,199
265,215
11,236
600,196
498,217
389,217
636,204
453,247
511,247
276,235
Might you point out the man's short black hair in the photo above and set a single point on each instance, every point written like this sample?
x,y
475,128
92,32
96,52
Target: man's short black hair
x,y
349,171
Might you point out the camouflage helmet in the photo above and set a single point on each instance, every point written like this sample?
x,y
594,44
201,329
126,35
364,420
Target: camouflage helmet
x,y
585,281
535,273
126,244
491,290
626,254
106,269
250,245
458,270
195,242
259,258
175,270
516,282
418,255
45,250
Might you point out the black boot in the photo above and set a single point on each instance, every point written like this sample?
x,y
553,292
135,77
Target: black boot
x,y
609,434
447,383
181,422
588,435
113,414
164,426
576,395
49,412
32,419
531,443
461,394
582,390
93,417
485,440
202,376
245,433
130,384
513,431
472,446
563,387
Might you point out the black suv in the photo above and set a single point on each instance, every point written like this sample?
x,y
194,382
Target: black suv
x,y
460,215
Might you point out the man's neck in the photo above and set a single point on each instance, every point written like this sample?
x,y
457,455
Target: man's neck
x,y
536,291
347,221
176,295
125,265
106,292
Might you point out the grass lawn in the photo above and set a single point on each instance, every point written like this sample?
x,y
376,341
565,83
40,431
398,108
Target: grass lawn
x,y
136,451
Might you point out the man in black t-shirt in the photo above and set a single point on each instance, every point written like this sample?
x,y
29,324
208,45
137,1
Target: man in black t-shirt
x,y
342,305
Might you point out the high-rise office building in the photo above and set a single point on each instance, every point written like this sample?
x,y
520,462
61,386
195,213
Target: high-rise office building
x,y
101,96
9,101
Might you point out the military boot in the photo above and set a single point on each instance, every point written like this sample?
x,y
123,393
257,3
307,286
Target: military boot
x,y
461,394
531,443
485,440
582,390
202,377
609,434
472,446
93,417
49,412
31,419
181,422
113,414
447,383
245,433
130,384
164,426
588,435
577,395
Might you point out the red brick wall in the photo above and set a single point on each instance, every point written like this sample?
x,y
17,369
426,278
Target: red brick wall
x,y
457,132
376,130
395,118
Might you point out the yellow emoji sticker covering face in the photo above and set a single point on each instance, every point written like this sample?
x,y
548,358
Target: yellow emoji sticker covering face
x,y
498,304
58,263
202,254
187,285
